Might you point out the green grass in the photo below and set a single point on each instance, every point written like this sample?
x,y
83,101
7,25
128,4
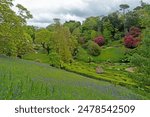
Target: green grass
x,y
108,54
111,54
38,57
21,79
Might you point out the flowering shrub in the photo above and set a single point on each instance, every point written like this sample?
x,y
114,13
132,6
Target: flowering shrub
x,y
131,40
100,40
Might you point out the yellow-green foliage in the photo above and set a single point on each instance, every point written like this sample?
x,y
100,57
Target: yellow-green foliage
x,y
13,40
112,74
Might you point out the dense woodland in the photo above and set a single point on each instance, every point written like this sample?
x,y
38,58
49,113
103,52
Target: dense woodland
x,y
119,41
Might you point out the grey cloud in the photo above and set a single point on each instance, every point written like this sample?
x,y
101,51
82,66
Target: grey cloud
x,y
41,20
93,8
45,14
73,11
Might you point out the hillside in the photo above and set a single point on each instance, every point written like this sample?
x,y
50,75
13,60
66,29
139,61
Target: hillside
x,y
21,79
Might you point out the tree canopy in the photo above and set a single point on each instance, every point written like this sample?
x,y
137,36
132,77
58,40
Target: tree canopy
x,y
12,34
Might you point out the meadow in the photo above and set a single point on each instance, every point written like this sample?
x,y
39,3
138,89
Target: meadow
x,y
22,79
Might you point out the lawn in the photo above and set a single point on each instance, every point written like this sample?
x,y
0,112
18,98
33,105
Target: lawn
x,y
22,79
108,54
112,54
37,57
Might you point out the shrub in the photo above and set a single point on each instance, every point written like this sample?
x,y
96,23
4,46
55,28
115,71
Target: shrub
x,y
130,41
82,55
93,48
55,59
100,40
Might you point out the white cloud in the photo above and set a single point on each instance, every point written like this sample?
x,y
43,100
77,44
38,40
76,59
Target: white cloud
x,y
44,11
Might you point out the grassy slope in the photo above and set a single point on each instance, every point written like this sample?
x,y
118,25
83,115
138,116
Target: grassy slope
x,y
20,79
112,54
115,74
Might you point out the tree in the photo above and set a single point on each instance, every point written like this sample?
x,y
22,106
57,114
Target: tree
x,y
58,39
144,16
115,21
123,7
11,31
91,23
112,26
45,38
107,31
89,27
72,25
24,46
132,19
64,43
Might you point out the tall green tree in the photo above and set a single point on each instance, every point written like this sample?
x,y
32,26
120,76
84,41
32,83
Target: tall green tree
x,y
72,25
144,16
107,31
132,19
124,7
91,23
11,30
45,39
116,21
64,43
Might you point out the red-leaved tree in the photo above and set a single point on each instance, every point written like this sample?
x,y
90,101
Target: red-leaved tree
x,y
131,40
99,40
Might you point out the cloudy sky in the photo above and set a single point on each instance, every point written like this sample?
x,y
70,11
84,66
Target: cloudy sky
x,y
44,11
